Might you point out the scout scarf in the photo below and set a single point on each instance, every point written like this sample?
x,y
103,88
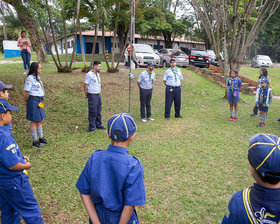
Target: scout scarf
x,y
175,73
150,75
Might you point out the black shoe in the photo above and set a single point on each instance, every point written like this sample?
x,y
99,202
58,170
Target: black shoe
x,y
92,131
278,120
37,144
43,141
253,115
101,127
179,116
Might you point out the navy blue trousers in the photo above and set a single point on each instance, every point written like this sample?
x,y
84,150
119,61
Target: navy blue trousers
x,y
145,101
25,55
17,199
172,94
94,111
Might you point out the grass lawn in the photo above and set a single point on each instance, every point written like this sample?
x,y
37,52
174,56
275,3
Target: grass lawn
x,y
192,165
254,73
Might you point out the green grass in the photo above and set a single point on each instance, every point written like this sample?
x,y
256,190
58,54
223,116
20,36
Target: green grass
x,y
192,165
254,73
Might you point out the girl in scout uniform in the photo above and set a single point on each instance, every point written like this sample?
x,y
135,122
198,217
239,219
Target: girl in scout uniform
x,y
234,84
33,95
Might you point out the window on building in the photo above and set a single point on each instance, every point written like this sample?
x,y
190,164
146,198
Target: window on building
x,y
68,44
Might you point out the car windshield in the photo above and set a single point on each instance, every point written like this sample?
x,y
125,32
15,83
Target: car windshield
x,y
201,53
177,53
210,53
142,48
264,58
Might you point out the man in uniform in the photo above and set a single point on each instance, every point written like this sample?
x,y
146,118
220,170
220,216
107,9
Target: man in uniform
x,y
172,79
92,88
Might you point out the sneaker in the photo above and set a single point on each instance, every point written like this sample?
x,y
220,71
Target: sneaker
x,y
234,119
25,72
92,131
262,124
101,127
151,119
230,118
144,120
167,118
259,125
43,141
37,144
179,116
253,115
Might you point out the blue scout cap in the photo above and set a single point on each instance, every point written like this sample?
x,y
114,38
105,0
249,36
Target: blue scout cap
x,y
150,63
265,80
264,154
4,106
122,122
4,86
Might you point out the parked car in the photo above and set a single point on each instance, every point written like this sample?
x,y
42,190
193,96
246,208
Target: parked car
x,y
197,57
212,58
261,61
166,54
142,54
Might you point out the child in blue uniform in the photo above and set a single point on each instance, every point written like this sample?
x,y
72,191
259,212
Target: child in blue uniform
x,y
16,195
33,95
263,100
234,84
259,203
112,182
4,95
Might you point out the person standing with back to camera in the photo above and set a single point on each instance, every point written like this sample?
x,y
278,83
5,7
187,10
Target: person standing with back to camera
x,y
25,52
33,95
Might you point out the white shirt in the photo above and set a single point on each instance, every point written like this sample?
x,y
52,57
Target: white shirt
x,y
93,81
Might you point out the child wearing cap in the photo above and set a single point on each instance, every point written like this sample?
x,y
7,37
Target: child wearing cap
x,y
263,101
234,84
145,84
259,203
16,195
4,96
112,182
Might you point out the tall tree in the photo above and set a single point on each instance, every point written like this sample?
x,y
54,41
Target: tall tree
x,y
2,11
229,31
31,26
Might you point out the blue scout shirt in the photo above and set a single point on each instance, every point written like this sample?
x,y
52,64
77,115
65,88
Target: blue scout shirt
x,y
173,77
263,206
234,84
264,96
146,79
10,154
113,179
33,86
93,81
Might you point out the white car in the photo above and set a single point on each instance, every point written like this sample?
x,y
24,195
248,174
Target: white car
x,y
261,61
142,54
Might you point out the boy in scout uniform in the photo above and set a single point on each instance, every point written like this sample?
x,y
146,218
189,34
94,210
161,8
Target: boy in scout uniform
x,y
112,182
172,79
145,84
259,203
16,195
92,88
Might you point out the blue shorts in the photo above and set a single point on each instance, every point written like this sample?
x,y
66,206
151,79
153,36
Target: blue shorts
x,y
111,217
34,113
17,199
262,108
231,97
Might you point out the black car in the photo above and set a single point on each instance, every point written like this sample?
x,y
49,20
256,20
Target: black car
x,y
197,57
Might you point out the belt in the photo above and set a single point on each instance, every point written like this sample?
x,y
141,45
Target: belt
x,y
93,93
174,86
38,97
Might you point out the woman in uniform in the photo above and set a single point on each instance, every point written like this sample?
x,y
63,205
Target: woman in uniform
x,y
33,95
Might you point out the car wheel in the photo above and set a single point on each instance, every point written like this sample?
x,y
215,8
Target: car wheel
x,y
164,64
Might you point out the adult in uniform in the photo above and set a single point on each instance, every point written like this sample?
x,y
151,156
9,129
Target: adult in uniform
x,y
33,95
145,82
92,88
172,79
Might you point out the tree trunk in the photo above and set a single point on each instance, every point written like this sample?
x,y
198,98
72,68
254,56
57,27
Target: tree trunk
x,y
32,27
65,39
4,21
82,44
95,40
103,43
123,37
167,40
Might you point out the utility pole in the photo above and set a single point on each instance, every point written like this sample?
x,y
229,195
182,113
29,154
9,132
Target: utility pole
x,y
132,32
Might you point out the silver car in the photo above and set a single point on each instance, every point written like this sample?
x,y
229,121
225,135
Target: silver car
x,y
261,61
166,55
